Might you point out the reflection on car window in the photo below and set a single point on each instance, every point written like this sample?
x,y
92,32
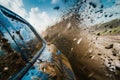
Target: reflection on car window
x,y
18,44
25,38
23,35
10,60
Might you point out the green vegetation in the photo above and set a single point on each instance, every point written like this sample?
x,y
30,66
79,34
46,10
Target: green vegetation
x,y
108,28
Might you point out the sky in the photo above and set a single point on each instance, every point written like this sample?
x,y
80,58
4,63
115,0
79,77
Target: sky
x,y
39,13
110,11
44,13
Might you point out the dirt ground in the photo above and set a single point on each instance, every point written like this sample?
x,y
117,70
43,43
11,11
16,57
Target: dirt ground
x,y
92,57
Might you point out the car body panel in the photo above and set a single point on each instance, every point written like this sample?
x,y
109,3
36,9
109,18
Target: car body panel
x,y
51,65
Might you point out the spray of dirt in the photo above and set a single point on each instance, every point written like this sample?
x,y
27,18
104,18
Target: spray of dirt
x,y
92,56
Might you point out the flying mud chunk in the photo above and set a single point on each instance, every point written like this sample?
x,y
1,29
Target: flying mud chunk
x,y
109,46
92,4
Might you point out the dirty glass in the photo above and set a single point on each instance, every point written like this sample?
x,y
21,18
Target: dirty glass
x,y
18,44
10,60
24,37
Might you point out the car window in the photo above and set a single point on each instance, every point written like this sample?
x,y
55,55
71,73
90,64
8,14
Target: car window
x,y
18,44
10,59
25,38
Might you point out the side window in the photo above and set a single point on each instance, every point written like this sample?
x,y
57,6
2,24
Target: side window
x,y
18,44
6,42
24,37
10,59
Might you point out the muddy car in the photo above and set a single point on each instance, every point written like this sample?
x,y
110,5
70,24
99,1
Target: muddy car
x,y
25,55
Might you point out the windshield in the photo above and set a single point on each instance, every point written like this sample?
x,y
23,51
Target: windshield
x,y
18,44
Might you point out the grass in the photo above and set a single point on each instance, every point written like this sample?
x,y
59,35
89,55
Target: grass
x,y
109,31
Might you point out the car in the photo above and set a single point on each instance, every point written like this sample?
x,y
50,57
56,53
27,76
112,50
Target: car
x,y
25,55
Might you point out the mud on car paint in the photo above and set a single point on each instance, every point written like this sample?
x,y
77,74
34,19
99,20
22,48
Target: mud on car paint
x,y
51,65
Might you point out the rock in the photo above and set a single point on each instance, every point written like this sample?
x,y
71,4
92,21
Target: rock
x,y
99,54
109,46
98,34
115,52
